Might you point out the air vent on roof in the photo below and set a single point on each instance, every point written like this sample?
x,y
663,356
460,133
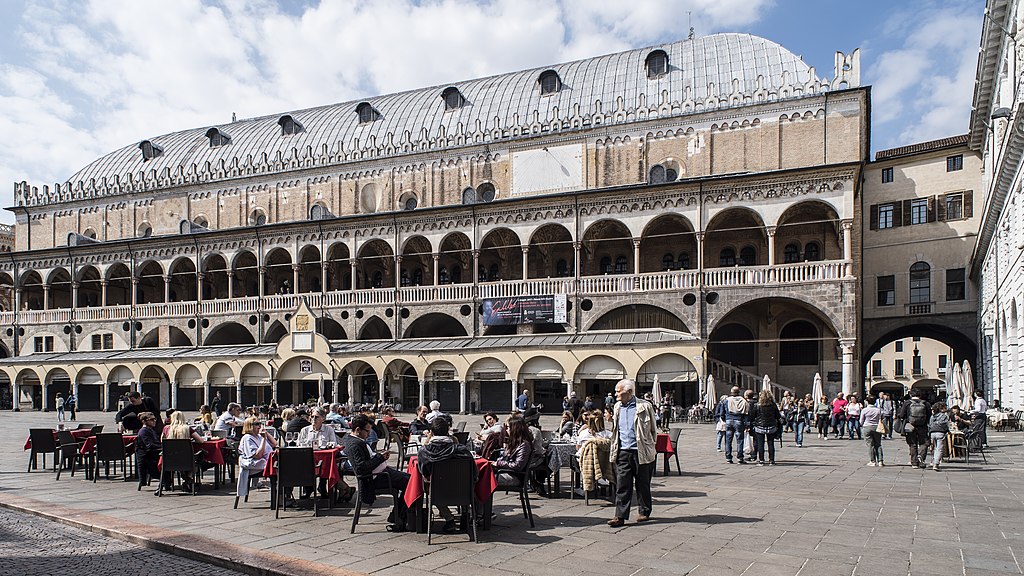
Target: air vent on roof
x,y
549,82
217,138
657,64
150,150
289,125
367,113
453,99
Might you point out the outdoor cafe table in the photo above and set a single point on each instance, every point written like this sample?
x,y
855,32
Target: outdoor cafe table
x,y
486,484
76,434
330,469
663,445
213,453
560,455
89,445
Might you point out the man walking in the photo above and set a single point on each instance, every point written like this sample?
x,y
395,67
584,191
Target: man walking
x,y
523,402
633,451
735,415
71,404
915,413
885,404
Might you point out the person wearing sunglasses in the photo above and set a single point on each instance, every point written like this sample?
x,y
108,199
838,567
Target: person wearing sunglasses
x,y
148,446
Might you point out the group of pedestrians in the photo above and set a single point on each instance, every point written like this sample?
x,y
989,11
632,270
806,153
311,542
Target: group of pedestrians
x,y
737,416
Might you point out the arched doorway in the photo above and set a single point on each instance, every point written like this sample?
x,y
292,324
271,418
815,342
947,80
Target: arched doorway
x,y
490,388
309,270
596,376
302,379
501,256
545,378
191,388
153,382
676,375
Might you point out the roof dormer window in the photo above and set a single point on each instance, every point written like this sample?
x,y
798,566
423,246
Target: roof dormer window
x,y
453,99
217,138
549,82
289,126
367,113
150,150
657,64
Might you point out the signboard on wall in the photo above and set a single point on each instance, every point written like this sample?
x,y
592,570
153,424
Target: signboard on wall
x,y
305,366
525,310
551,169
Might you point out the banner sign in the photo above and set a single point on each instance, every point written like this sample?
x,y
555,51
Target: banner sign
x,y
525,310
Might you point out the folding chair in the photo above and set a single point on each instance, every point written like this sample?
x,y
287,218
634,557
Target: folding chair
x,y
451,484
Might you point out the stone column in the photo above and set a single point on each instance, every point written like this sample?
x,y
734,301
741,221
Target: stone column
x,y
847,347
74,390
199,286
354,272
636,256
526,261
231,283
46,297
295,278
46,396
462,396
847,226
576,260
262,271
238,390
74,296
323,277
174,393
770,230
336,391
700,250
103,293
167,288
207,393
135,291
568,387
476,266
380,389
398,271
515,386
105,401
423,392
437,264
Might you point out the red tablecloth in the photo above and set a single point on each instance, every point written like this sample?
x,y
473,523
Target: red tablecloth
x,y
77,434
89,446
212,451
329,468
486,483
664,445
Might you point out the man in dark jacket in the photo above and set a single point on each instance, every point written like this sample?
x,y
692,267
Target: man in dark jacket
x,y
373,472
574,405
915,413
148,445
440,446
128,417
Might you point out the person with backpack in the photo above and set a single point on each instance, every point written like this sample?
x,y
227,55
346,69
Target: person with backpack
x,y
736,418
938,427
915,414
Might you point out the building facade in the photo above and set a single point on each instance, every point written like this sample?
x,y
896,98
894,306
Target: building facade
x,y
997,132
358,250
920,228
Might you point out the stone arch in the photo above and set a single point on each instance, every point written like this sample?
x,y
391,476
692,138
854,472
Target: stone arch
x,y
309,269
189,375
229,333
963,345
330,328
90,289
435,325
676,375
501,256
150,275
31,283
182,277
813,225
455,259
375,329
417,262
339,267
606,248
552,253
540,367
215,276
376,265
735,228
273,333
277,275
119,284
639,317
59,283
668,242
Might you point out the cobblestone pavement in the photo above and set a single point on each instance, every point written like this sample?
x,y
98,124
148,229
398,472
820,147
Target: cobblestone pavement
x,y
821,511
33,546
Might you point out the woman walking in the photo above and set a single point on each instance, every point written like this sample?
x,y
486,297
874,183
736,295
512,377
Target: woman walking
x,y
801,416
869,418
765,417
822,411
853,408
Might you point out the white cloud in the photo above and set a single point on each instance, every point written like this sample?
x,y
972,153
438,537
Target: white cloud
x,y
925,84
95,77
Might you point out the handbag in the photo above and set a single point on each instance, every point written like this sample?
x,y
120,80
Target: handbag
x,y
881,427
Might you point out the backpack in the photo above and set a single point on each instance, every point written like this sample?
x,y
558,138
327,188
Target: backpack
x,y
917,414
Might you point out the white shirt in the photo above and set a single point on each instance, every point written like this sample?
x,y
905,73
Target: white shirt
x,y
434,414
980,405
326,436
222,421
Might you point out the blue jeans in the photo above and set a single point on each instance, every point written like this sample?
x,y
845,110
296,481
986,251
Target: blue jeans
x,y
734,428
799,426
853,424
721,438
838,425
888,425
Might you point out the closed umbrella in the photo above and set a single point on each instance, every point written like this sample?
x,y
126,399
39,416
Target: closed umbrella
x,y
657,391
766,385
817,392
965,390
958,387
950,391
710,398
968,380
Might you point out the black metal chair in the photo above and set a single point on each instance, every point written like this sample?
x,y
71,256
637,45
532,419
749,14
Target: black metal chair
x,y
295,469
245,482
110,448
85,426
70,453
403,451
673,438
461,437
451,484
179,457
368,482
43,443
522,486
94,430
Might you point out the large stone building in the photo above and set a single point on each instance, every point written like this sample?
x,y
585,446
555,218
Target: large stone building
x,y
661,213
997,131
920,227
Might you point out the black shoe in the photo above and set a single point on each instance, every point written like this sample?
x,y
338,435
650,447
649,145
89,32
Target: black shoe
x,y
395,528
450,527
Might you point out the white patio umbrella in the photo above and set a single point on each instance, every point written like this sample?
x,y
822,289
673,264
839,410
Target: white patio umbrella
x,y
710,397
968,381
965,389
950,392
958,388
657,391
816,391
766,384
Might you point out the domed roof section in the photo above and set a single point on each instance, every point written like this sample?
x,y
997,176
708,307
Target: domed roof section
x,y
702,72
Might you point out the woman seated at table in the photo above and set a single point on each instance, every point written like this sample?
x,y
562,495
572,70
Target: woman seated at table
x,y
567,427
205,419
148,446
396,426
593,427
317,434
255,446
518,450
179,429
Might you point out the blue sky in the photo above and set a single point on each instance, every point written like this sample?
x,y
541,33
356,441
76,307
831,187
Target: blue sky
x,y
82,78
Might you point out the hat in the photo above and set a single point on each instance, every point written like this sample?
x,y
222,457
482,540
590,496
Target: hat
x,y
531,415
572,394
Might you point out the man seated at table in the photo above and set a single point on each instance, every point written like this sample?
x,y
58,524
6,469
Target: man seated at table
x,y
128,417
420,425
300,421
491,426
441,446
373,471
148,446
435,411
318,436
957,420
230,419
395,426
337,415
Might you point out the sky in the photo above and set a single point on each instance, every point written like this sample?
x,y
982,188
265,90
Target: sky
x,y
81,78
